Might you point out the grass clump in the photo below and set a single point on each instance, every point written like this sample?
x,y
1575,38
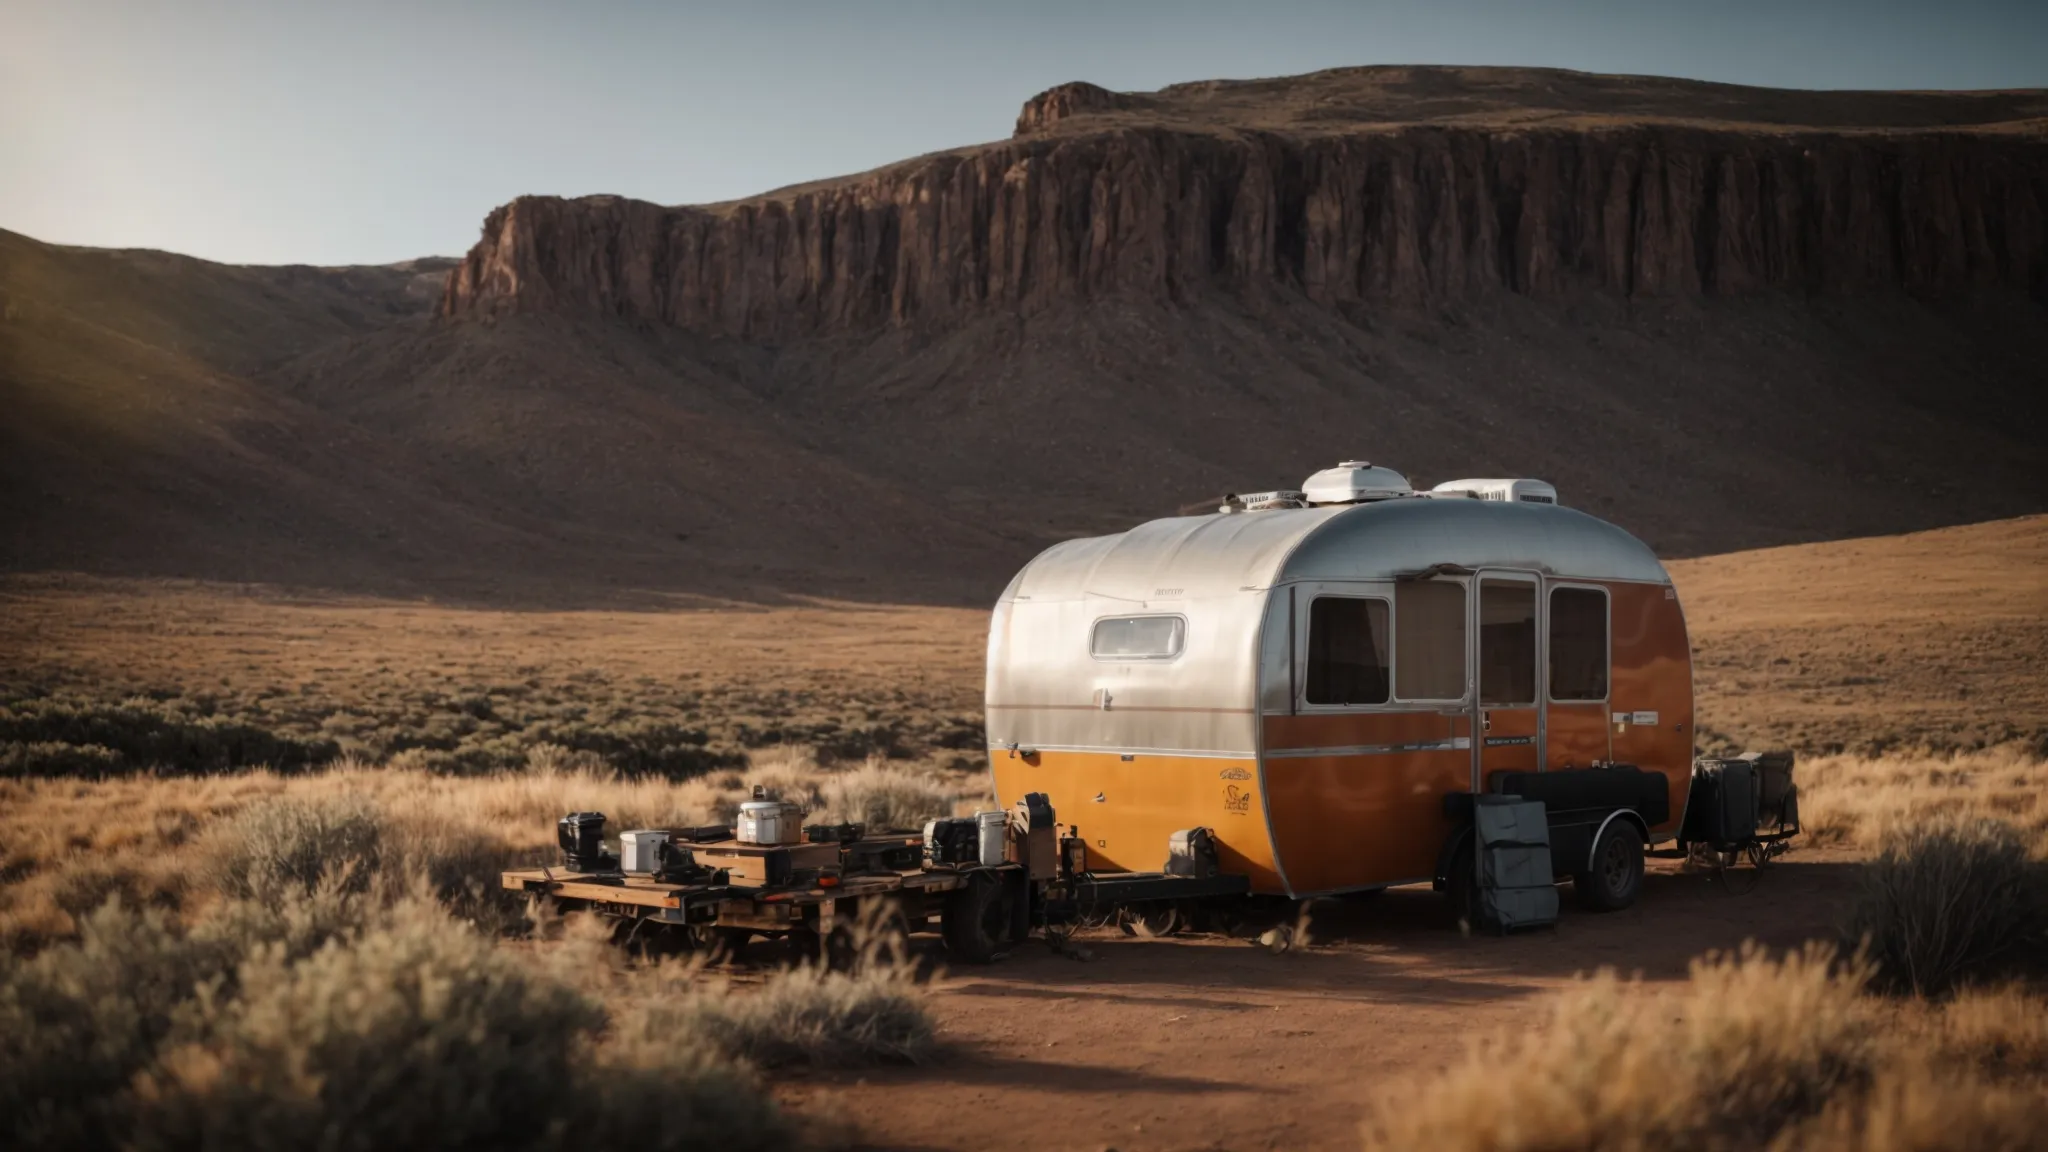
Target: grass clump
x,y
1752,1052
1750,1047
814,1016
1949,901
291,842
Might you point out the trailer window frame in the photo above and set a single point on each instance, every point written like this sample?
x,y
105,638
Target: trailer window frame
x,y
1180,638
1539,663
1549,639
1467,591
1307,651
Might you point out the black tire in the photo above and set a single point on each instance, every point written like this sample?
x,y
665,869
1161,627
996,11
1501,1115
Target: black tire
x,y
1152,920
975,920
1461,887
1614,871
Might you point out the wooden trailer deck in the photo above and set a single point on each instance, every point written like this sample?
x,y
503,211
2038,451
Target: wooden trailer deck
x,y
648,892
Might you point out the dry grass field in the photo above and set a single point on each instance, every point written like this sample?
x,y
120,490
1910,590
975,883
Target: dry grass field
x,y
1933,639
433,745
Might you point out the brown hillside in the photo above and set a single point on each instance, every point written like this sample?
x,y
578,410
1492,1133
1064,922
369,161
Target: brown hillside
x,y
1722,317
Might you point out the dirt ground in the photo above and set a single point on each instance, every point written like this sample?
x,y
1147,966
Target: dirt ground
x,y
1201,1041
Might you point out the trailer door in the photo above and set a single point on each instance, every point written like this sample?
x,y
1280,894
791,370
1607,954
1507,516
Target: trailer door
x,y
1507,651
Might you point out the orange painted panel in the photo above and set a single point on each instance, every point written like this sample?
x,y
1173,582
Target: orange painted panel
x,y
1576,736
1348,821
1652,674
1144,801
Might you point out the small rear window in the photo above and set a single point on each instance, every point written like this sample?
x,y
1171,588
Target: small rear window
x,y
1137,637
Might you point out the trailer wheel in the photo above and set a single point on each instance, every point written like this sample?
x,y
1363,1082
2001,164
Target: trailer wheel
x,y
976,919
1614,871
1461,887
1151,920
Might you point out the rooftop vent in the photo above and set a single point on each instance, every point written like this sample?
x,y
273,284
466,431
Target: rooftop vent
x,y
1355,482
1522,491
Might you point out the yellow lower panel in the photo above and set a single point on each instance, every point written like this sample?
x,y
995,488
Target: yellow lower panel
x,y
1143,801
1354,821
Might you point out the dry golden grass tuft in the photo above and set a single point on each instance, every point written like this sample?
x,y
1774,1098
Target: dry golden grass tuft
x,y
1859,801
1752,1051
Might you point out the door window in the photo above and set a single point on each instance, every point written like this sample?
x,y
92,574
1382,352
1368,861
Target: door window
x,y
1429,640
1507,642
1347,651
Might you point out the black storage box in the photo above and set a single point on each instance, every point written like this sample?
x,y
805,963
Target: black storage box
x,y
953,840
1600,790
1722,808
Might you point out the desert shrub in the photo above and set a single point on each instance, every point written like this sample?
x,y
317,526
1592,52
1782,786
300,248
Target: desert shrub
x,y
811,1015
294,842
330,1020
641,747
883,795
54,758
1915,1108
1947,902
83,886
454,860
417,1033
79,1021
144,734
1998,1033
1750,1047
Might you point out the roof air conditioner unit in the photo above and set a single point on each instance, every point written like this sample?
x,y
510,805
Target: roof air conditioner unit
x,y
1355,482
1522,491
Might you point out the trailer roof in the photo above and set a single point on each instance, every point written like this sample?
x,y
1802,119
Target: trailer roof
x,y
1190,557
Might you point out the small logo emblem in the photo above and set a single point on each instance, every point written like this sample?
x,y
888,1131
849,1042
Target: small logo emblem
x,y
1237,801
1233,774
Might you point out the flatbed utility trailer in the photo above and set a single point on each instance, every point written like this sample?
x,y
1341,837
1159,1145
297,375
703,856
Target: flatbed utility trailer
x,y
982,908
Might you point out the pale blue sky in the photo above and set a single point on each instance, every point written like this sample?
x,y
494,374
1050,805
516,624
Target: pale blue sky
x,y
372,131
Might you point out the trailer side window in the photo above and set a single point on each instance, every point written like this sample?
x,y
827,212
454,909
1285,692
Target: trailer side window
x,y
1137,637
1578,644
1347,651
1429,640
1507,642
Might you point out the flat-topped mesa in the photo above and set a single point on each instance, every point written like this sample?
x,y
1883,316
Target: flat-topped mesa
x,y
1365,210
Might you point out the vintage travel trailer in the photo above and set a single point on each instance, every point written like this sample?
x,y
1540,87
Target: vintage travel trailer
x,y
1317,676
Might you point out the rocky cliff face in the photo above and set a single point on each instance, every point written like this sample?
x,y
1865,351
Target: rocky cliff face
x,y
1098,193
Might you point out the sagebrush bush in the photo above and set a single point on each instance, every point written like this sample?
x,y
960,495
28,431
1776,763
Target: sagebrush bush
x,y
811,1015
1748,1048
1946,902
79,1022
417,1033
289,842
131,735
53,758
331,1020
1919,1108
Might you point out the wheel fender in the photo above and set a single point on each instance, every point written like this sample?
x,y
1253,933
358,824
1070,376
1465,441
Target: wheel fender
x,y
1627,816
